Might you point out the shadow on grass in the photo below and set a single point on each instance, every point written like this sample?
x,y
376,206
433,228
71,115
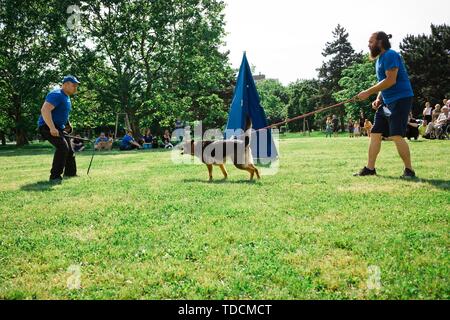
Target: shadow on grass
x,y
222,181
440,184
38,186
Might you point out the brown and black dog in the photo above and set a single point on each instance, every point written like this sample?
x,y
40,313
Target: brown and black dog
x,y
215,153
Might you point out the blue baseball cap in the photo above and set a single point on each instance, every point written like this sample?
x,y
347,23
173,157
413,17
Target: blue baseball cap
x,y
72,79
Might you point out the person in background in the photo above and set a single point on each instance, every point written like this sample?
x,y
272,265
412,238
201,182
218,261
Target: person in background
x,y
368,127
155,143
428,113
441,122
166,140
103,143
128,142
412,131
436,112
329,128
77,144
351,128
357,130
362,120
148,137
335,125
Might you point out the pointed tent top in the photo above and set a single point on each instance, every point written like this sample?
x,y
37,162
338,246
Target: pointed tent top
x,y
246,105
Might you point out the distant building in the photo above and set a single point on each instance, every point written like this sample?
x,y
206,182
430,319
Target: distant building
x,y
259,77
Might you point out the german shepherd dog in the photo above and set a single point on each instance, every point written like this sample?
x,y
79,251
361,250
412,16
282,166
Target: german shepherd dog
x,y
215,153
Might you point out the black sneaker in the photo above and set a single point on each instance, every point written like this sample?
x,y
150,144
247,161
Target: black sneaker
x,y
56,180
366,172
408,174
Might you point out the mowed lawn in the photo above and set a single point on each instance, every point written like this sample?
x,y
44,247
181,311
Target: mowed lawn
x,y
141,227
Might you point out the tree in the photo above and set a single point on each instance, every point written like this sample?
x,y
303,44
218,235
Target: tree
x,y
428,61
303,98
274,100
162,57
31,37
355,79
340,55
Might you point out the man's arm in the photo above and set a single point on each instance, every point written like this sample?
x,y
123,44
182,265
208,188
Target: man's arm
x,y
46,112
136,144
391,80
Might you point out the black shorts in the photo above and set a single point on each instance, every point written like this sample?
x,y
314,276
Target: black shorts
x,y
397,123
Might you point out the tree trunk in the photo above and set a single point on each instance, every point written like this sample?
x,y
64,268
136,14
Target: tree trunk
x,y
134,123
21,135
3,138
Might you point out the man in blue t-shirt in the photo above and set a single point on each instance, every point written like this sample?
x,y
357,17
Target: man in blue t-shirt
x,y
393,103
54,123
103,142
128,142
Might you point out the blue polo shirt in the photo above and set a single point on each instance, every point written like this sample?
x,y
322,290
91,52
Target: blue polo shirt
x,y
62,104
402,89
126,141
100,139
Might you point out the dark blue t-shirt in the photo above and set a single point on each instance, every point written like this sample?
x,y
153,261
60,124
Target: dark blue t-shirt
x,y
62,104
126,141
402,89
100,139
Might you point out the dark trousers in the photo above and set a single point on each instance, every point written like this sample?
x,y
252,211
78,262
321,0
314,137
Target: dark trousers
x,y
64,158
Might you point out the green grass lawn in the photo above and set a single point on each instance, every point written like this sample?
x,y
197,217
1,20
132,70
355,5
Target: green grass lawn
x,y
141,227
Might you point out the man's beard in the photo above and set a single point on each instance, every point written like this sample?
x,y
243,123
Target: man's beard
x,y
374,52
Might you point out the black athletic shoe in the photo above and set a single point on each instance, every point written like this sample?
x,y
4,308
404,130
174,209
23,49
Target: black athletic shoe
x,y
408,174
56,180
366,172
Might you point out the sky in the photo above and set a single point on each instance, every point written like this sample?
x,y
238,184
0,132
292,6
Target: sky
x,y
284,39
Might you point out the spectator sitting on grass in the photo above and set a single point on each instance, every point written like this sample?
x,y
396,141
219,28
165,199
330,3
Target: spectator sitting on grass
x,y
77,144
441,121
128,142
166,140
155,143
412,131
436,112
148,137
103,143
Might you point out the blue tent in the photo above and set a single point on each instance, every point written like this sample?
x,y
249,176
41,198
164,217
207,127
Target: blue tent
x,y
246,106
